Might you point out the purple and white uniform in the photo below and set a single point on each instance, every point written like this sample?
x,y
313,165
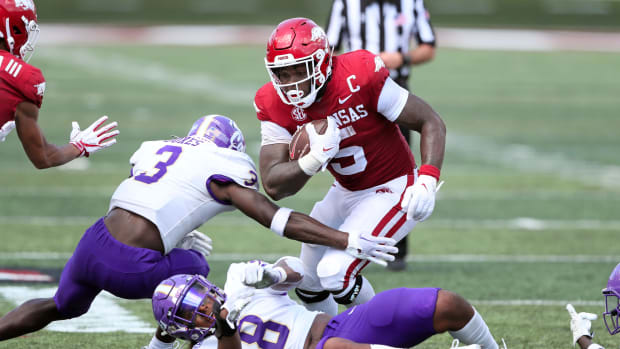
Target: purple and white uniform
x,y
168,186
400,318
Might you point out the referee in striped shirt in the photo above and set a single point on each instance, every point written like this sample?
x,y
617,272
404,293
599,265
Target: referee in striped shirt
x,y
385,27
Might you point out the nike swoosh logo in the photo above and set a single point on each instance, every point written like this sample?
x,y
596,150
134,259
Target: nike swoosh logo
x,y
342,100
327,149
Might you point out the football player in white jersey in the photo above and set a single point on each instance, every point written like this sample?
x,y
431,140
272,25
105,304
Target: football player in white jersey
x,y
255,300
148,233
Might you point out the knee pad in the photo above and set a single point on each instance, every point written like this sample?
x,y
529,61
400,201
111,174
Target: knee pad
x,y
346,296
331,274
311,296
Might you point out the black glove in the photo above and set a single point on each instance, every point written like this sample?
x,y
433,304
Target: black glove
x,y
222,327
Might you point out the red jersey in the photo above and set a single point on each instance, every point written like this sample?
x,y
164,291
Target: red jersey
x,y
19,82
372,149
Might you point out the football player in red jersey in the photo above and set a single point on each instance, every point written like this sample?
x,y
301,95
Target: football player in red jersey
x,y
21,93
378,188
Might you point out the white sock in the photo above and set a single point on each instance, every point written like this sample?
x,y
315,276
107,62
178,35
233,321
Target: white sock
x,y
366,293
157,344
328,306
476,332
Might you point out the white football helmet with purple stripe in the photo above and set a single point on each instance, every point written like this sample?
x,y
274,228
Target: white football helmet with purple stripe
x,y
220,130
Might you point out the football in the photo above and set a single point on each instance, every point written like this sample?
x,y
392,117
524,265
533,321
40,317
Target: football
x,y
300,144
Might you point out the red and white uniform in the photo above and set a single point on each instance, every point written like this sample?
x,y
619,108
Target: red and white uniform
x,y
372,151
372,168
19,82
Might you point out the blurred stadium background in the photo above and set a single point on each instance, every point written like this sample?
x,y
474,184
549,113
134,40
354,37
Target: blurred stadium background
x,y
527,221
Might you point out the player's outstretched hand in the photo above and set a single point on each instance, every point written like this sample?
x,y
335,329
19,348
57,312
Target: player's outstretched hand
x,y
6,129
260,275
373,248
323,147
94,138
580,323
419,199
197,241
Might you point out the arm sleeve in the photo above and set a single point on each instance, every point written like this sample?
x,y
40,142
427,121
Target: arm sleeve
x,y
392,100
424,33
335,24
272,133
33,86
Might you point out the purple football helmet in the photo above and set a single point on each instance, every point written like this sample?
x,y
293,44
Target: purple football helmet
x,y
612,302
220,130
176,303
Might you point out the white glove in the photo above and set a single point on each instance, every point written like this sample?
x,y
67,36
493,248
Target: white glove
x,y
373,248
322,147
259,275
197,241
419,199
92,139
235,303
6,129
580,323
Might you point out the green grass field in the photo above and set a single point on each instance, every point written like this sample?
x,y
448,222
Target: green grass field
x,y
526,221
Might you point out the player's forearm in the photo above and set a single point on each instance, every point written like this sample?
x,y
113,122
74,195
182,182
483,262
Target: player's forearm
x,y
585,342
284,179
422,54
306,229
433,143
51,155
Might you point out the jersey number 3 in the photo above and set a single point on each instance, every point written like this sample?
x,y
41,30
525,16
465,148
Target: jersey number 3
x,y
162,166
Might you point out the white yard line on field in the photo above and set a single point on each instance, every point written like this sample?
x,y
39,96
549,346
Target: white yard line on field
x,y
210,35
518,223
107,313
451,258
536,302
104,315
149,72
525,158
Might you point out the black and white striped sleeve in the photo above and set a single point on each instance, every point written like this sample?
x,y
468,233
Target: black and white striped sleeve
x,y
423,30
336,24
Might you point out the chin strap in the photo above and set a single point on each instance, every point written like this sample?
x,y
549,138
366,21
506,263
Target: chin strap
x,y
9,39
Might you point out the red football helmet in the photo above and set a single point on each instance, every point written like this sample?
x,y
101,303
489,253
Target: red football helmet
x,y
18,27
299,41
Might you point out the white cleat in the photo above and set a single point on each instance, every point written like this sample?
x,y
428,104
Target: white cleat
x,y
455,345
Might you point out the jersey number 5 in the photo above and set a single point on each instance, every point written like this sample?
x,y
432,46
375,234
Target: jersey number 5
x,y
162,166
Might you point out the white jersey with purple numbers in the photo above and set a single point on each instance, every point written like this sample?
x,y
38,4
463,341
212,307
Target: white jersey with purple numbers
x,y
169,184
271,319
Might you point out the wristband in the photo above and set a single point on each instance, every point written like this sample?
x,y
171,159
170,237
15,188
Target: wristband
x,y
406,59
278,222
429,170
80,147
309,164
281,274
